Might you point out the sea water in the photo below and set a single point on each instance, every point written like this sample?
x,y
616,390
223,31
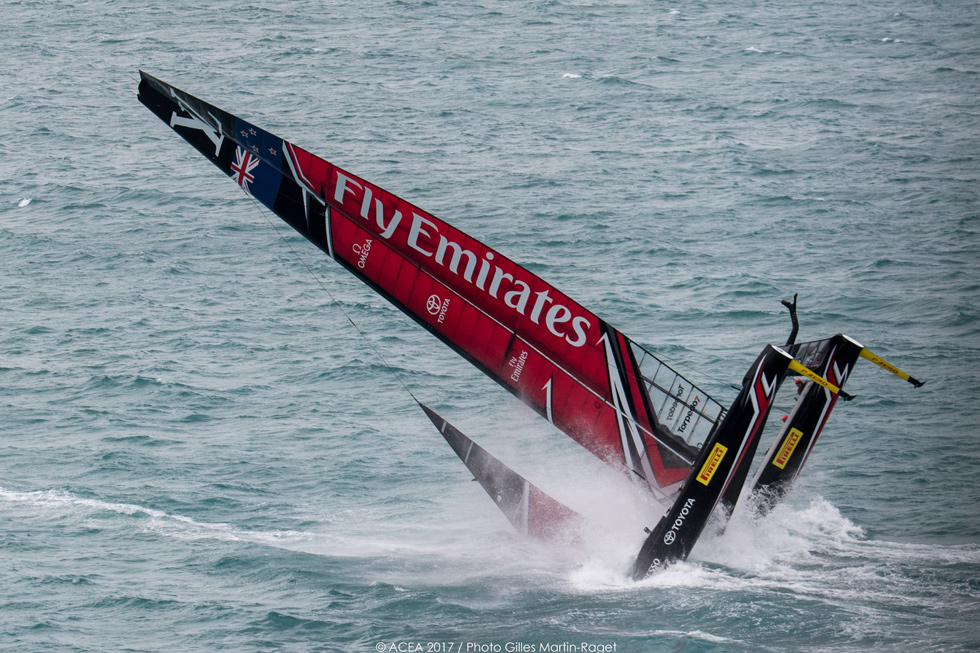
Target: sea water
x,y
199,451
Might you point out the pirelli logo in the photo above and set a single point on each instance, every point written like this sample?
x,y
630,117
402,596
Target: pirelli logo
x,y
786,450
711,464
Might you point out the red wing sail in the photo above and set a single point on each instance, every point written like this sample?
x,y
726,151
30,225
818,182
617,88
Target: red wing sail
x,y
593,383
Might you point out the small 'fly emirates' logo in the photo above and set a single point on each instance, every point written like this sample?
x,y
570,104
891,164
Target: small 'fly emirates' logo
x,y
422,235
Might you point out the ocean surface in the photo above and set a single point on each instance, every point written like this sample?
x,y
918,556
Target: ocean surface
x,y
199,452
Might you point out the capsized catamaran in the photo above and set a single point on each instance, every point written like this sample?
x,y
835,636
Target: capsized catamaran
x,y
593,383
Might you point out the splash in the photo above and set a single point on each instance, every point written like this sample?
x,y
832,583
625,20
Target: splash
x,y
805,550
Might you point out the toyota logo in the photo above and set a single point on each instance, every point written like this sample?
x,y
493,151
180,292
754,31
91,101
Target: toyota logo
x,y
434,304
669,537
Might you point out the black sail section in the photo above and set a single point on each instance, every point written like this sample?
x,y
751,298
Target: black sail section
x,y
530,510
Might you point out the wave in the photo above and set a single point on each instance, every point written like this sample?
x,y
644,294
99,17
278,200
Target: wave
x,y
63,504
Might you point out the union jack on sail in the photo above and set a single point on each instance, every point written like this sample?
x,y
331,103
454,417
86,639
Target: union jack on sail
x,y
241,169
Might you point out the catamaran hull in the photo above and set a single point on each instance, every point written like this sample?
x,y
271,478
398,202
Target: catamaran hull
x,y
715,470
833,359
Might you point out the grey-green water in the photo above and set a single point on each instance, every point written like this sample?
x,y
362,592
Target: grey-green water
x,y
197,451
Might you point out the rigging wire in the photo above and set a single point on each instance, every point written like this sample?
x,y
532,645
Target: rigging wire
x,y
309,268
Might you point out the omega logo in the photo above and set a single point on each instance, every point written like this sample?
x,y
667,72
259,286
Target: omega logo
x,y
362,251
